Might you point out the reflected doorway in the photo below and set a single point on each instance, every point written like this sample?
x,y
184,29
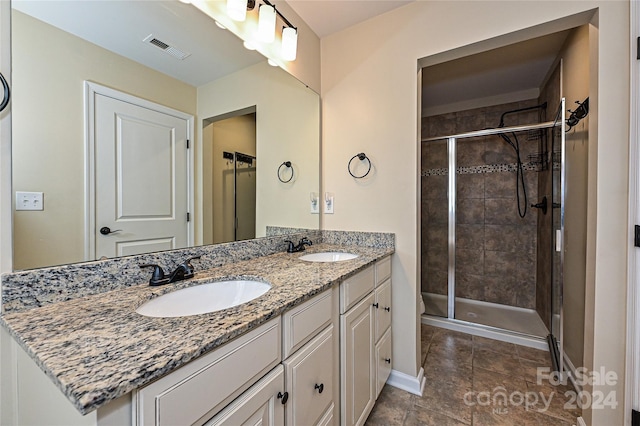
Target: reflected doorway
x,y
229,177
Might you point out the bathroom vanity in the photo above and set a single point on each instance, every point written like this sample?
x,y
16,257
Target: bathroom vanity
x,y
314,349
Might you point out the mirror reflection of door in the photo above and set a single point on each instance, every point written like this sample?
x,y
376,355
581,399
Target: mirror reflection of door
x,y
229,185
141,188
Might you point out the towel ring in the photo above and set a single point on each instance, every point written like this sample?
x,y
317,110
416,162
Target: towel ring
x,y
361,156
7,93
288,165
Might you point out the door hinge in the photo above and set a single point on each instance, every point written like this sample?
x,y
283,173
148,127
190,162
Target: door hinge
x,y
635,418
636,236
638,49
188,216
187,143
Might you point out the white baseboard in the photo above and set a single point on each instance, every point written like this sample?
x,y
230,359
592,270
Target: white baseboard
x,y
411,384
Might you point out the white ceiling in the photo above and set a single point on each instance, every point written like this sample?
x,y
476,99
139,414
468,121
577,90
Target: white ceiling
x,y
326,17
120,26
492,77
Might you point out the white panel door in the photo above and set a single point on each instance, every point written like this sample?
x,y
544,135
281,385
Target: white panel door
x,y
141,179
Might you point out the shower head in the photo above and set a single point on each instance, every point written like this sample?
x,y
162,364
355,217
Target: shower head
x,y
578,114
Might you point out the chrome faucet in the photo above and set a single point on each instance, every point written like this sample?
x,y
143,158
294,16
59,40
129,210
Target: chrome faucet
x,y
184,271
291,248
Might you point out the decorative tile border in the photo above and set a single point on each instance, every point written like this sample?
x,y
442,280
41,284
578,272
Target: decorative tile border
x,y
488,168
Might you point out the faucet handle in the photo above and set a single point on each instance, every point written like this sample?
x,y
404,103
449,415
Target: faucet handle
x,y
290,246
188,266
306,241
157,278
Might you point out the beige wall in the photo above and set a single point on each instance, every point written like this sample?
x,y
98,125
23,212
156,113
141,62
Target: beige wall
x,y
287,129
48,131
575,86
369,92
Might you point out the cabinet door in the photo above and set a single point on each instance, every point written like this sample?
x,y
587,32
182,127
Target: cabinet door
x,y
383,361
309,378
383,308
261,404
356,366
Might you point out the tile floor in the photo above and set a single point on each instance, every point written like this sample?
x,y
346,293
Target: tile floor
x,y
476,381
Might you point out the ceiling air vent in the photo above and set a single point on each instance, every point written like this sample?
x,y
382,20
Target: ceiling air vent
x,y
166,48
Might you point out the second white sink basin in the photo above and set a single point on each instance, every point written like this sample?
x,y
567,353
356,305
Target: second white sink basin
x,y
330,256
204,298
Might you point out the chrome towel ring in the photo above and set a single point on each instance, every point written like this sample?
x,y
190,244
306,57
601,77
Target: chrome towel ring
x,y
7,93
286,164
361,156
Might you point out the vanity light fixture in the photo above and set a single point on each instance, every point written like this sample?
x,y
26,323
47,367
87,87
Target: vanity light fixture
x,y
289,43
267,15
249,45
237,9
267,23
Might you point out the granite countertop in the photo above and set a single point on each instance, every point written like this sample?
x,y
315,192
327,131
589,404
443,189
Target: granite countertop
x,y
97,348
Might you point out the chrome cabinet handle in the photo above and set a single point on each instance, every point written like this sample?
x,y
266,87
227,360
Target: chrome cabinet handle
x,y
105,230
7,93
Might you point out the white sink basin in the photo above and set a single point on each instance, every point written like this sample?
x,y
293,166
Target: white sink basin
x,y
204,298
328,257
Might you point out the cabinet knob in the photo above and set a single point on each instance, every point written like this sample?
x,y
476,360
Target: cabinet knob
x,y
375,305
320,387
388,308
387,360
283,396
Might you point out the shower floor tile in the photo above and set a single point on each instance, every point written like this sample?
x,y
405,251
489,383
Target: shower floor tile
x,y
471,390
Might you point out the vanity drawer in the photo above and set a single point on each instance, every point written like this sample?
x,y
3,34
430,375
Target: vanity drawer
x,y
383,270
196,391
355,288
302,323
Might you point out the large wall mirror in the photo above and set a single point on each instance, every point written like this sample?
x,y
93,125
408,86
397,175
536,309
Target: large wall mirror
x,y
243,119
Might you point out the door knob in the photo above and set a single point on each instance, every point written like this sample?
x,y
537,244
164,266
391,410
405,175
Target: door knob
x,y
105,230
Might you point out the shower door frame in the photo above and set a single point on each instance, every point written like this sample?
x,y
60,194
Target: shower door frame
x,y
451,196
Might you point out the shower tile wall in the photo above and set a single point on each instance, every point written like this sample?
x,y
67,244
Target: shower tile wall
x,y
495,248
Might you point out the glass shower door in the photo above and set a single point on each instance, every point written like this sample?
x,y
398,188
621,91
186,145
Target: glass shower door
x,y
555,339
435,223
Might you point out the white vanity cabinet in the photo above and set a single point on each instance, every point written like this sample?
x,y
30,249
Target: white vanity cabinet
x,y
192,394
282,373
365,340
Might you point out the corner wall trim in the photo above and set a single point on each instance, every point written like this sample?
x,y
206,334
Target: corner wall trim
x,y
411,384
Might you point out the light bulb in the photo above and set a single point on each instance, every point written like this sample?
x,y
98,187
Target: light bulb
x,y
237,9
267,23
289,43
249,45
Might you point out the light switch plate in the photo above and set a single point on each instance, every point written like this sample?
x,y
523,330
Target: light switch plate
x,y
29,200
